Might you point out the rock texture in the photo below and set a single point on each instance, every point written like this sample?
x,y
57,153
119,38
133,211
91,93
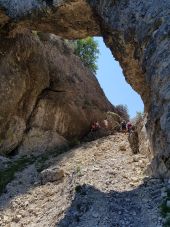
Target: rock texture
x,y
102,186
144,143
62,19
51,175
46,94
4,19
137,33
133,139
138,138
24,74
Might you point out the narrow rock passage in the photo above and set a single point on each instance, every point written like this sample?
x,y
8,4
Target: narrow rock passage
x,y
104,186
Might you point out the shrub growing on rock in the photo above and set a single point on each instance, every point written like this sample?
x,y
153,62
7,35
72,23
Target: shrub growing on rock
x,y
88,51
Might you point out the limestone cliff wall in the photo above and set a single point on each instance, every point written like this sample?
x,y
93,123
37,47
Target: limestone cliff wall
x,y
138,138
137,32
47,95
144,143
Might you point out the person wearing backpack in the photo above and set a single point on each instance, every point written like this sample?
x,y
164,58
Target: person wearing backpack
x,y
129,127
123,126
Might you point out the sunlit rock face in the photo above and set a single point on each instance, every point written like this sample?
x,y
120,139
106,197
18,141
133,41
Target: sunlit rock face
x,y
137,32
47,95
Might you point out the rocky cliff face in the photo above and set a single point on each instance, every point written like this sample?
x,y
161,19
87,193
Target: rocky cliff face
x,y
138,138
137,33
144,144
47,96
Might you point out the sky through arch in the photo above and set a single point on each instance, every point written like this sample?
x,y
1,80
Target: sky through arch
x,y
111,79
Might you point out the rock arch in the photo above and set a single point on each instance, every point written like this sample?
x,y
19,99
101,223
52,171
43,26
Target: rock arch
x,y
138,34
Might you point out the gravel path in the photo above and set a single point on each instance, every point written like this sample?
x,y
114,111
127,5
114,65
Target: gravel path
x,y
104,186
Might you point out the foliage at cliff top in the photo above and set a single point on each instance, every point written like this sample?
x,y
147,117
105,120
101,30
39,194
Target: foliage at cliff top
x,y
88,51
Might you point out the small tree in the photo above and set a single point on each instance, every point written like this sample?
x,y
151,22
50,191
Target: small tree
x,y
122,110
88,51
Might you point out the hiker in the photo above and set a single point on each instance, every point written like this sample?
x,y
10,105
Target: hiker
x,y
95,126
129,127
123,126
105,123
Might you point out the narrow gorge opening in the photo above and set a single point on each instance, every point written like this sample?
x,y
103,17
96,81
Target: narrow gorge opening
x,y
111,78
48,99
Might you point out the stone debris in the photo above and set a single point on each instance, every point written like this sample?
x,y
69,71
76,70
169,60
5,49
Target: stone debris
x,y
4,162
51,175
122,147
93,185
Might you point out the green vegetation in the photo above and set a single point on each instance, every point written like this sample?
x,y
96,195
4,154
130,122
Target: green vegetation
x,y
74,142
78,171
8,174
167,223
165,210
88,51
41,162
78,188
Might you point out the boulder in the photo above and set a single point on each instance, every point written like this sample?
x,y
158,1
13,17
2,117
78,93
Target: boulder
x,y
134,141
51,175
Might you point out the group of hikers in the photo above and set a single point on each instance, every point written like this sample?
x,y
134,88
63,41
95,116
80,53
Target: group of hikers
x,y
96,126
125,126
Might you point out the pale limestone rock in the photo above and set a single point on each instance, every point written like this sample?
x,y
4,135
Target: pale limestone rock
x,y
137,33
122,147
40,141
51,175
55,97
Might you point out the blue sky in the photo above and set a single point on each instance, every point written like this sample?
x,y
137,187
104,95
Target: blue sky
x,y
111,79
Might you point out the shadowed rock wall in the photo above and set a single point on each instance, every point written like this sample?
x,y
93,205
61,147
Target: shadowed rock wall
x,y
137,33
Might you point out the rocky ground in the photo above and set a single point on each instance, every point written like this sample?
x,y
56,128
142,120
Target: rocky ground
x,y
97,184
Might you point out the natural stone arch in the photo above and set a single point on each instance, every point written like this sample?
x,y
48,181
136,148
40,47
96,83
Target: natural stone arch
x,y
137,32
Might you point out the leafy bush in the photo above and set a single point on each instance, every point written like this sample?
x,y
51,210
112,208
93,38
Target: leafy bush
x,y
74,142
87,50
8,174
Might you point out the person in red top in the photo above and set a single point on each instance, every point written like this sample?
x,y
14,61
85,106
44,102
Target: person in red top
x,y
129,127
106,124
95,126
